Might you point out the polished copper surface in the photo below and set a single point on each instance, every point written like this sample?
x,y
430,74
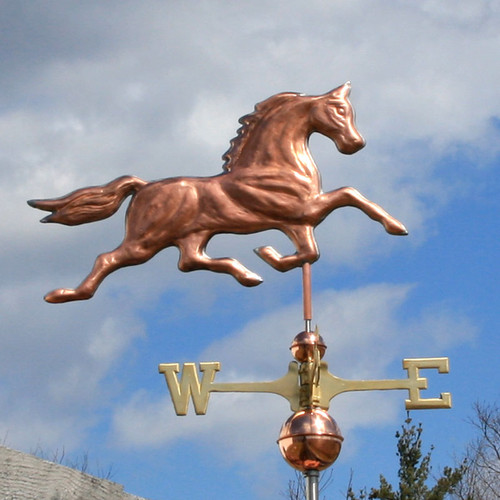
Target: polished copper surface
x,y
310,439
306,294
270,181
303,346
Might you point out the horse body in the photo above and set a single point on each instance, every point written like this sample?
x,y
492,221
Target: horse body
x,y
270,182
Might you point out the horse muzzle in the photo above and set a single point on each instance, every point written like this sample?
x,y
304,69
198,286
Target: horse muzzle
x,y
351,145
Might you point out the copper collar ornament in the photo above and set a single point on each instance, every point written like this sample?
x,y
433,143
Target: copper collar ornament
x,y
270,181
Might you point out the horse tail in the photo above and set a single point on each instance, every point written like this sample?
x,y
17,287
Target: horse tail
x,y
89,204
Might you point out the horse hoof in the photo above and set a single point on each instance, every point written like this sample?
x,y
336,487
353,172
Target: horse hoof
x,y
396,228
402,231
62,295
251,279
58,296
268,254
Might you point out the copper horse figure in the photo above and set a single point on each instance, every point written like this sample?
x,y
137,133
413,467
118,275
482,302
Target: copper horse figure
x,y
269,181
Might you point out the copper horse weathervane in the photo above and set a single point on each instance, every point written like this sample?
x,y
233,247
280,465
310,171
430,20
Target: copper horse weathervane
x,y
269,181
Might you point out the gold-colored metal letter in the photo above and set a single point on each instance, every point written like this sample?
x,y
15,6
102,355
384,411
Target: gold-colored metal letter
x,y
302,386
413,366
190,385
331,385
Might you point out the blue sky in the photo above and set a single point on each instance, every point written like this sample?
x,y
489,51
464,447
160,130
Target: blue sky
x,y
93,90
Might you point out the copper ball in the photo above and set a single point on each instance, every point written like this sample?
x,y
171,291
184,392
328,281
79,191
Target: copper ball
x,y
303,346
310,440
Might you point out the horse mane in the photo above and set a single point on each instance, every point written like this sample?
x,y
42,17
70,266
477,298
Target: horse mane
x,y
249,123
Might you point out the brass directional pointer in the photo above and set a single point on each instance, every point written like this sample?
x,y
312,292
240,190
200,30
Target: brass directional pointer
x,y
289,386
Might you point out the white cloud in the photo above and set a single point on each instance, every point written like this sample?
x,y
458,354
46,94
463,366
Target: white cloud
x,y
53,364
365,336
104,115
91,92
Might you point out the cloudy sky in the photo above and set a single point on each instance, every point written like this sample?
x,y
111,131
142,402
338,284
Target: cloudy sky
x,y
96,89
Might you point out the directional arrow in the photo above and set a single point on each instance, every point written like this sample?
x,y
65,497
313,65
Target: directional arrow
x,y
289,386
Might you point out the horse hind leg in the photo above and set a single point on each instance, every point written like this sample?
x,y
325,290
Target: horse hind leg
x,y
105,264
192,257
305,243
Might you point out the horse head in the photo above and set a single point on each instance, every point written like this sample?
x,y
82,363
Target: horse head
x,y
333,116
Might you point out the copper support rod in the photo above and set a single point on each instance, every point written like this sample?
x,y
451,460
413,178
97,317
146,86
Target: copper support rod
x,y
306,292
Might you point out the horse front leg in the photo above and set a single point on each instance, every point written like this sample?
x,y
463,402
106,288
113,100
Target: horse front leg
x,y
305,243
325,203
193,257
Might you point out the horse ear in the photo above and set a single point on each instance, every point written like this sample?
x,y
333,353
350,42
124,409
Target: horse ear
x,y
341,92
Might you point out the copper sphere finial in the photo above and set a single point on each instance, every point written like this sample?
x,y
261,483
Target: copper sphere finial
x,y
303,346
310,440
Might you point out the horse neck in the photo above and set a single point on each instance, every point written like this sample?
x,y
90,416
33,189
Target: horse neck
x,y
281,138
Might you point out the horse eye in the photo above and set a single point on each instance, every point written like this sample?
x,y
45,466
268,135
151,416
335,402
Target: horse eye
x,y
341,110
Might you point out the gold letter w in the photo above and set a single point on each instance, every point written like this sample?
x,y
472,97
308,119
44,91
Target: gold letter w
x,y
189,385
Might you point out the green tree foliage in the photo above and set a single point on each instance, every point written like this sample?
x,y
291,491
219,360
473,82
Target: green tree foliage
x,y
414,473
